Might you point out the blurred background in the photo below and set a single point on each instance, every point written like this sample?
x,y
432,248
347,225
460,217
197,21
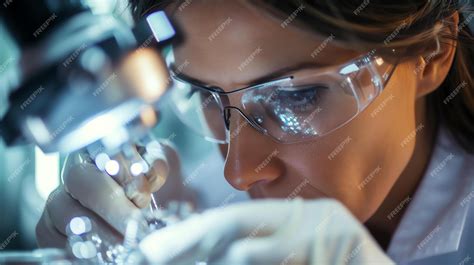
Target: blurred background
x,y
28,176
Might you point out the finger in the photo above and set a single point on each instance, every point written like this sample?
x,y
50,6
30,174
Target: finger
x,y
163,246
249,251
171,187
124,176
63,208
47,236
137,188
156,155
98,192
196,238
138,191
157,175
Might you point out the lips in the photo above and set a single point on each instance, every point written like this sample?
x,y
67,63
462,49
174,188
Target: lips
x,y
282,188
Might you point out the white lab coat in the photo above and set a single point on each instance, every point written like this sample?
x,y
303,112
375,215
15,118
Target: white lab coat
x,y
438,225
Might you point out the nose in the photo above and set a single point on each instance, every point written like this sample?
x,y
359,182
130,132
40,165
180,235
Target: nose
x,y
251,156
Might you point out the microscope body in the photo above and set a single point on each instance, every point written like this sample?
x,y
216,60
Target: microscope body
x,y
84,79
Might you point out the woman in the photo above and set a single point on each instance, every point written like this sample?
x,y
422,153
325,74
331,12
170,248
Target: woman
x,y
369,103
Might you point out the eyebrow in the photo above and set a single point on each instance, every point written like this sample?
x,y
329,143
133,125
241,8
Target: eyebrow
x,y
278,74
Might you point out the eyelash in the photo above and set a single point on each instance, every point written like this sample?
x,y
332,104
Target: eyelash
x,y
307,103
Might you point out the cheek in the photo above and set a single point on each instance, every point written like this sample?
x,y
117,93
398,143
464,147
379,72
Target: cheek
x,y
359,163
383,144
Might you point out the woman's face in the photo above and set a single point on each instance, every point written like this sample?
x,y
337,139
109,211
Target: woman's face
x,y
357,164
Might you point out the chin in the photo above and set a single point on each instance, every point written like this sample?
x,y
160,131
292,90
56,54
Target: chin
x,y
363,213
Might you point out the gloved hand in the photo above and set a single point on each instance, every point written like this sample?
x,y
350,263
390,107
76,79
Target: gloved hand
x,y
107,201
267,232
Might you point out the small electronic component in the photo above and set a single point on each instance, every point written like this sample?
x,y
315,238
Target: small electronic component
x,y
87,246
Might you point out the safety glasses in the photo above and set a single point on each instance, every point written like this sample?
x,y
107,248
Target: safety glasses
x,y
296,108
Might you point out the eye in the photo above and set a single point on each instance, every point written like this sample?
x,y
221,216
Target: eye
x,y
300,99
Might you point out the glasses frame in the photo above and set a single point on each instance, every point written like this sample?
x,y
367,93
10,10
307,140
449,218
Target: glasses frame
x,y
219,94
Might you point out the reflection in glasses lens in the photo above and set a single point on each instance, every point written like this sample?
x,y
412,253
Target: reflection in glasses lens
x,y
290,113
292,109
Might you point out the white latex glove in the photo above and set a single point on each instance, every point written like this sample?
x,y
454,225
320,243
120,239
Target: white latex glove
x,y
107,202
267,232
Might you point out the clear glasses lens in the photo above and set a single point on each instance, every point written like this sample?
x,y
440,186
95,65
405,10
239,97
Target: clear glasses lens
x,y
291,110
301,109
200,110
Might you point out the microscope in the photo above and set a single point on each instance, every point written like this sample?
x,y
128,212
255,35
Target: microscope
x,y
86,82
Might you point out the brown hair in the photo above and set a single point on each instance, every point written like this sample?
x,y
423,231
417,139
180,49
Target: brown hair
x,y
410,26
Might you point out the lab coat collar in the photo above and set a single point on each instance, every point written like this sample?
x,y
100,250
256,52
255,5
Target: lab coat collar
x,y
435,219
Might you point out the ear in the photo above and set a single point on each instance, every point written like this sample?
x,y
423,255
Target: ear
x,y
433,69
